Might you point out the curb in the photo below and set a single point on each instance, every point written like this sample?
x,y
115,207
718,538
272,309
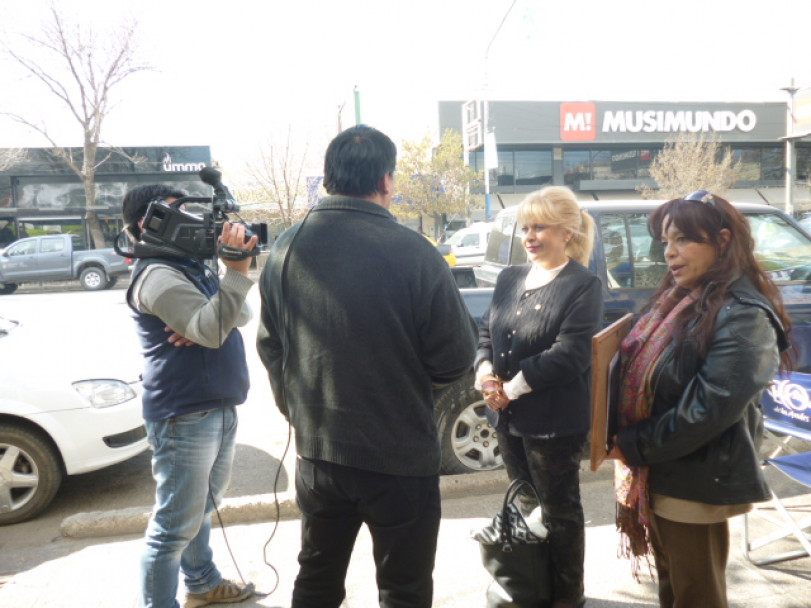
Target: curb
x,y
254,509
262,507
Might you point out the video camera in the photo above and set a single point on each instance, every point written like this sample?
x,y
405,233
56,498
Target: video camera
x,y
167,225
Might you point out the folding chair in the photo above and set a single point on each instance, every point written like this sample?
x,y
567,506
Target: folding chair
x,y
787,417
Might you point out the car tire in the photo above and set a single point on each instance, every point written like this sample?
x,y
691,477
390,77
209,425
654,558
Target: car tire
x,y
8,288
93,278
30,473
469,442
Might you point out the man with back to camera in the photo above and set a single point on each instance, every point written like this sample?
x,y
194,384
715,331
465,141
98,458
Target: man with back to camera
x,y
195,374
361,320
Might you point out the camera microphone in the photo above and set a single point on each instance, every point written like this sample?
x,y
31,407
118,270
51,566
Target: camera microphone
x,y
213,177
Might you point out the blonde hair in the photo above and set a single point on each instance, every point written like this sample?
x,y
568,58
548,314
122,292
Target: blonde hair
x,y
557,206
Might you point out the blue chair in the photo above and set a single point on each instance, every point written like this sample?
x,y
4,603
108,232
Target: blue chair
x,y
787,414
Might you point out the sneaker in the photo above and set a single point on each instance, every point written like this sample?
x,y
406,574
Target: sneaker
x,y
227,592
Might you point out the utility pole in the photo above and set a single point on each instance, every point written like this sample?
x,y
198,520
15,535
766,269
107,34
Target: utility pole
x,y
790,160
357,106
490,148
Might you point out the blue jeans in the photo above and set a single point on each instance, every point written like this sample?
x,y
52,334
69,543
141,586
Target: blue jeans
x,y
191,465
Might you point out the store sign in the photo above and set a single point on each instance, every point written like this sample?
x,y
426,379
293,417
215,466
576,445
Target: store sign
x,y
679,121
578,121
581,122
169,165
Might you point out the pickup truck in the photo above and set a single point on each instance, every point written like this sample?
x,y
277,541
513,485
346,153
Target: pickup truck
x,y
630,264
59,257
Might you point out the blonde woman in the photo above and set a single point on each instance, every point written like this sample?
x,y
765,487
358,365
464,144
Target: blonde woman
x,y
534,366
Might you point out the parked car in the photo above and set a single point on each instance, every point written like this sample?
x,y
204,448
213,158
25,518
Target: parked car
x,y
470,244
445,250
59,257
630,264
63,411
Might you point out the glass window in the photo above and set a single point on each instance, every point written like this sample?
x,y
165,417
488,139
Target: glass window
x,y
648,254
772,163
803,163
783,252
616,251
748,162
506,168
533,167
51,245
645,159
575,166
601,164
498,249
24,248
633,258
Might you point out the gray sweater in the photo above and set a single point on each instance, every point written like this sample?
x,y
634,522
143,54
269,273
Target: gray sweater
x,y
374,323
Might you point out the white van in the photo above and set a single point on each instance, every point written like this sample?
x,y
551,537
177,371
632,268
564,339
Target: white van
x,y
470,244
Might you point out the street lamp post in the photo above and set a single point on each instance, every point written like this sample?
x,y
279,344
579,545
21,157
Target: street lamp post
x,y
790,162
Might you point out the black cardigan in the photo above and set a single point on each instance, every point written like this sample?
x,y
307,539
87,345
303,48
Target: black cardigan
x,y
545,333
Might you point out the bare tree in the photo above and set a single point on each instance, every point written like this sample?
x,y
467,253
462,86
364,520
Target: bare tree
x,y
689,162
10,157
80,70
280,178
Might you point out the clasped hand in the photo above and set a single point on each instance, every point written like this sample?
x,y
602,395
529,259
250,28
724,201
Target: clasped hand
x,y
494,395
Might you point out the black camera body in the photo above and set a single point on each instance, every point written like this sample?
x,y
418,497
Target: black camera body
x,y
196,235
192,234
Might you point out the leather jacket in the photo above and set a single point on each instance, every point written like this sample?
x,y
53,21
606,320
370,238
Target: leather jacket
x,y
701,440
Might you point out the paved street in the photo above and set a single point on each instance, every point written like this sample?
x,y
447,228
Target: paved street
x,y
40,568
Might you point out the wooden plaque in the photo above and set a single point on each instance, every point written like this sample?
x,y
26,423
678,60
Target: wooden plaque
x,y
605,364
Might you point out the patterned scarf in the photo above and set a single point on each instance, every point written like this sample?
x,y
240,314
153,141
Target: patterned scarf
x,y
639,353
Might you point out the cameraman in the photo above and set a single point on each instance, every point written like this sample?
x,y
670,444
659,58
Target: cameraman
x,y
195,374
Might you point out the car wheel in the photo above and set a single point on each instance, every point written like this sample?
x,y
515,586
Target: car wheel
x,y
30,474
93,278
8,288
469,442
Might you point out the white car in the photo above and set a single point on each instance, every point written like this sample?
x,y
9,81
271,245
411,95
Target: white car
x,y
67,406
470,244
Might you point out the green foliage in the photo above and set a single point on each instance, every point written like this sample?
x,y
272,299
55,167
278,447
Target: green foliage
x,y
432,181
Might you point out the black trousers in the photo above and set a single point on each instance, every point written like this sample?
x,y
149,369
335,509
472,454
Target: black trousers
x,y
402,514
553,466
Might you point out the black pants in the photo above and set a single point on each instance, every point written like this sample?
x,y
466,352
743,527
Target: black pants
x,y
553,466
402,514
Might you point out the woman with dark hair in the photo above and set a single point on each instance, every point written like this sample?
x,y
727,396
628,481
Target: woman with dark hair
x,y
534,366
693,371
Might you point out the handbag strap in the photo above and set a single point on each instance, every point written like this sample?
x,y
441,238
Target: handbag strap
x,y
512,491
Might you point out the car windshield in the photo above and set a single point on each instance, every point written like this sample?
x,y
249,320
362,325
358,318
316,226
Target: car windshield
x,y
783,251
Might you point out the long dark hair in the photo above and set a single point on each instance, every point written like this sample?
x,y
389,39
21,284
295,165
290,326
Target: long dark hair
x,y
702,221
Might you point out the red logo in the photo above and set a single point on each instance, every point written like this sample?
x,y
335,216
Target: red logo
x,y
578,121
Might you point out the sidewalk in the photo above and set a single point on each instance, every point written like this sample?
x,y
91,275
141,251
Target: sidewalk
x,y
90,572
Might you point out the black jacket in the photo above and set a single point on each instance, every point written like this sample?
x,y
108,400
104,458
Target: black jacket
x,y
546,333
701,441
374,322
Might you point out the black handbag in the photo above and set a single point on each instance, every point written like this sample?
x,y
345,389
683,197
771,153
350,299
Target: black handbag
x,y
515,557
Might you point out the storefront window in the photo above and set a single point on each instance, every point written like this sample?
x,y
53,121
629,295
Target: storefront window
x,y
575,166
506,168
803,163
533,168
748,163
772,163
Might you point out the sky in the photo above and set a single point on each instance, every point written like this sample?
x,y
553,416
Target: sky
x,y
239,74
